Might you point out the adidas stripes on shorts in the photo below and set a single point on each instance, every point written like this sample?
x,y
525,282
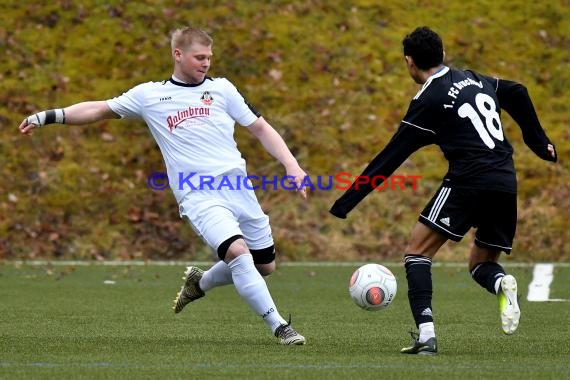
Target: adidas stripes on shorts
x,y
454,211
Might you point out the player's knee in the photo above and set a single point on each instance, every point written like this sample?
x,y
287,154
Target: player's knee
x,y
265,269
480,255
264,259
425,241
232,248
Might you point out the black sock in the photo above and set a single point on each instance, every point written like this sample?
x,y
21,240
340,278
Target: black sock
x,y
418,273
486,274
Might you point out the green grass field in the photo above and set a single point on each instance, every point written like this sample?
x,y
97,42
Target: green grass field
x,y
69,322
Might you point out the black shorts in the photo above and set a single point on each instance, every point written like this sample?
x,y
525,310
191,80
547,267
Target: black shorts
x,y
454,211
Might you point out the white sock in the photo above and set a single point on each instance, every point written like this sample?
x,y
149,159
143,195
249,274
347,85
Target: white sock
x,y
251,286
218,275
427,330
498,285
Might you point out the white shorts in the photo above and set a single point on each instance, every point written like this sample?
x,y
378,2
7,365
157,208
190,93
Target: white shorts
x,y
220,213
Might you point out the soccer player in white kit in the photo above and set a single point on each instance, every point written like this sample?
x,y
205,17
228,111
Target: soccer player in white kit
x,y
192,118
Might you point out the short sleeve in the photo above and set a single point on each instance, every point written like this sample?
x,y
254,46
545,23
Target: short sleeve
x,y
129,104
238,108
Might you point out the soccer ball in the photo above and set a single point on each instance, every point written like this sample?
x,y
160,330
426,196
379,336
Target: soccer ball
x,y
373,287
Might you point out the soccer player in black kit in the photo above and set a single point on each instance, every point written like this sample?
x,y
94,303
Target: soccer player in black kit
x,y
458,110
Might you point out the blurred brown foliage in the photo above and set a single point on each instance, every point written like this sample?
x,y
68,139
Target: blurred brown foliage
x,y
328,75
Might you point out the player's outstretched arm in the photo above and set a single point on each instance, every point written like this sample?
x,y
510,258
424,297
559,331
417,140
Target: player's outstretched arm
x,y
405,141
515,99
77,114
276,146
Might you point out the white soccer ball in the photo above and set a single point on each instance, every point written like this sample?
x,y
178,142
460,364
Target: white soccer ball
x,y
373,287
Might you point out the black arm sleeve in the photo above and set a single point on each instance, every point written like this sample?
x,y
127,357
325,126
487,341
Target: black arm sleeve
x,y
514,98
405,142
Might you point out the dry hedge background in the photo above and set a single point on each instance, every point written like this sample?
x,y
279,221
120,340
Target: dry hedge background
x,y
328,75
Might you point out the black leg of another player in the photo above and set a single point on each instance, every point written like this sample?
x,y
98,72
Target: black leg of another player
x,y
418,274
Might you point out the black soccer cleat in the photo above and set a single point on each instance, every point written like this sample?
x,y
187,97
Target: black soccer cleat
x,y
190,290
429,347
288,336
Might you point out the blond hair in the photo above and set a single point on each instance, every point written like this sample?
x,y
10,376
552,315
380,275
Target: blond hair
x,y
185,37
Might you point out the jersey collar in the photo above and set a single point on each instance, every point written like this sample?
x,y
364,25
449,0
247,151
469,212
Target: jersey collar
x,y
439,73
177,82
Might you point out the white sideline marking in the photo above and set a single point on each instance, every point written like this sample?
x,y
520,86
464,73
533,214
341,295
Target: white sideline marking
x,y
539,287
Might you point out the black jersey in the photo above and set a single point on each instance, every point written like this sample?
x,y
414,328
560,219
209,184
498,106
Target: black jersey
x,y
460,111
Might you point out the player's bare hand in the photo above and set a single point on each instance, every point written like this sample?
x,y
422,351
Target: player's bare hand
x,y
27,128
298,177
551,150
303,190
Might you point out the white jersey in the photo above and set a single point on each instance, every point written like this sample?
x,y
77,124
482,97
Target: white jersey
x,y
192,124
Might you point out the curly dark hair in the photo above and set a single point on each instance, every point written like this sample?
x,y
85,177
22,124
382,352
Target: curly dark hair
x,y
425,47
